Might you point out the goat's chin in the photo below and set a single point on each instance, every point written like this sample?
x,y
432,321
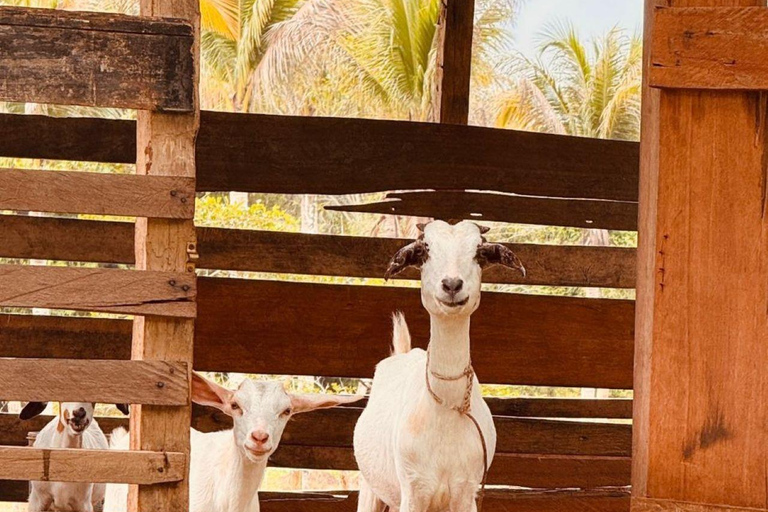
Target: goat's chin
x,y
255,455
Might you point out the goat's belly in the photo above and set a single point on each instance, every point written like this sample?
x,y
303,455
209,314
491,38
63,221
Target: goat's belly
x,y
375,456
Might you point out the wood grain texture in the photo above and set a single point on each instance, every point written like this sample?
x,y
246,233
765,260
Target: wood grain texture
x,y
339,156
580,213
76,380
710,48
99,194
268,251
455,26
701,436
598,500
69,465
315,155
653,505
95,59
97,289
546,340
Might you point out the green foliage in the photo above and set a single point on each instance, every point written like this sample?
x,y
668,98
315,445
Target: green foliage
x,y
218,211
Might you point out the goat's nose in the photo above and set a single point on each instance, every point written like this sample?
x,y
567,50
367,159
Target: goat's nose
x,y
79,414
260,436
452,285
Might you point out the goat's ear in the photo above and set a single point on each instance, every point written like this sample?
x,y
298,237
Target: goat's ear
x,y
412,255
483,229
123,408
497,254
205,392
310,402
32,409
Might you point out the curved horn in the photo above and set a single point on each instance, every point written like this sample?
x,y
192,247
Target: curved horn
x,y
497,254
412,255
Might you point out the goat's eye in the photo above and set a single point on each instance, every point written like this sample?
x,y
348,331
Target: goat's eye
x,y
287,412
234,406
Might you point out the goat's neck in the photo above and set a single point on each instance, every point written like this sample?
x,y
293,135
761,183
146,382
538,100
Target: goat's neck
x,y
243,476
449,356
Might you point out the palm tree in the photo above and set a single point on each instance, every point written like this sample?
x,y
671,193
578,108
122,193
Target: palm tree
x,y
572,89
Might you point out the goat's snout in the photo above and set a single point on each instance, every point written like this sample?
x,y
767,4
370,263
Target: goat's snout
x,y
452,285
78,414
260,436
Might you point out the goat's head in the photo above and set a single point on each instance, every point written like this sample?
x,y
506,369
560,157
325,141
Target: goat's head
x,y
74,417
451,258
260,410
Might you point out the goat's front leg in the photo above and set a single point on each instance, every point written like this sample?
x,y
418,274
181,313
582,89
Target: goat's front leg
x,y
367,501
39,502
412,502
465,500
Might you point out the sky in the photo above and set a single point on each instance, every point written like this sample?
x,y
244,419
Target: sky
x,y
590,17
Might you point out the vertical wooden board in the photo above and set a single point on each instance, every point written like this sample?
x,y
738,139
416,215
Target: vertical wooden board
x,y
701,433
165,147
454,61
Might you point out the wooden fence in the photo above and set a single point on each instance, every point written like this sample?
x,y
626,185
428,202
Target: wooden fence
x,y
447,169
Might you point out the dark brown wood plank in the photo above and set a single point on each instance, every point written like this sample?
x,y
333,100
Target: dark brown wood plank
x,y
525,339
261,326
615,408
337,156
61,138
268,251
72,465
580,213
454,61
68,57
77,380
710,48
100,194
314,155
98,289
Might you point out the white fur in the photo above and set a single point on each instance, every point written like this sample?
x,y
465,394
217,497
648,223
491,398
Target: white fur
x,y
414,454
227,467
68,496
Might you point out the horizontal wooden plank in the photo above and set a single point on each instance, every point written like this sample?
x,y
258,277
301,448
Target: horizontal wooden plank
x,y
62,138
263,325
640,504
512,500
617,408
338,156
315,155
710,48
77,380
98,289
70,465
268,251
536,471
517,339
95,59
547,211
131,195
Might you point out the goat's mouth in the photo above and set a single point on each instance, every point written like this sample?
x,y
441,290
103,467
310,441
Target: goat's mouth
x,y
455,303
257,452
79,428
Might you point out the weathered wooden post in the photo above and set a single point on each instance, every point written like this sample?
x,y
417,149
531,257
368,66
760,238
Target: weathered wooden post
x,y
702,312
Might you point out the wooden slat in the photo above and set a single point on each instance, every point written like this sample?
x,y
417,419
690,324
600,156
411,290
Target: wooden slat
x,y
617,408
661,505
268,251
315,155
620,215
61,138
454,61
100,194
262,325
91,465
95,59
710,48
518,339
98,289
338,156
77,380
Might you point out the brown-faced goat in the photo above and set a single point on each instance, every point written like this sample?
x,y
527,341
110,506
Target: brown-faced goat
x,y
419,442
227,467
73,427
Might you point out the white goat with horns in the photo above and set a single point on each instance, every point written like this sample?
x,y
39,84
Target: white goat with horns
x,y
426,439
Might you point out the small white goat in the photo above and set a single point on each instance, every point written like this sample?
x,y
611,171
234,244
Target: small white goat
x,y
416,446
74,427
227,467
